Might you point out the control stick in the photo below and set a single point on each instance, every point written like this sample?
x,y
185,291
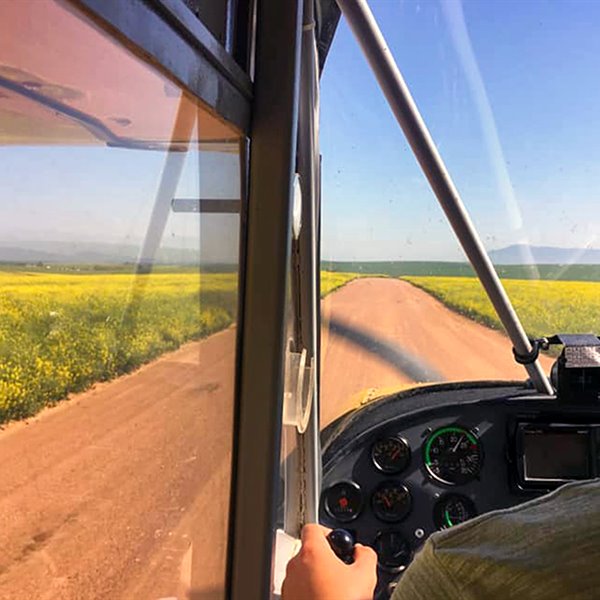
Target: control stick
x,y
342,544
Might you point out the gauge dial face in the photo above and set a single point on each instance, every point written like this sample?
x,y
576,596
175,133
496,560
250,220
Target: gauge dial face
x,y
344,501
390,454
453,509
453,455
391,501
393,550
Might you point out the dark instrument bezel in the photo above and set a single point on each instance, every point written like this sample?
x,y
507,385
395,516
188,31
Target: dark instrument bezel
x,y
433,476
388,567
395,437
328,508
389,483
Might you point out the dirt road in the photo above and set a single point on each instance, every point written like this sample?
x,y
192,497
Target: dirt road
x,y
408,318
112,494
122,491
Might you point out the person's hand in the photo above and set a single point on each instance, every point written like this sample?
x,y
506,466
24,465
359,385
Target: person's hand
x,y
316,573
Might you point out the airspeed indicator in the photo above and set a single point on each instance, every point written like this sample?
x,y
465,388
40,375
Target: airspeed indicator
x,y
453,455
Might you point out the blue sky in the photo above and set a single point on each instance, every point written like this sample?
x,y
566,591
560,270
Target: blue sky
x,y
100,194
510,92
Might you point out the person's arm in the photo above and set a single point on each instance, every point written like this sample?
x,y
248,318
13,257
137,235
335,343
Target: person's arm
x,y
426,579
316,573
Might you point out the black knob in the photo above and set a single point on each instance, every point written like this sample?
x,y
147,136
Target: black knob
x,y
342,543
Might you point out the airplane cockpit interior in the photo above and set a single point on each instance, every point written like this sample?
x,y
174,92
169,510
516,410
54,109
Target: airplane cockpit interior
x,y
266,264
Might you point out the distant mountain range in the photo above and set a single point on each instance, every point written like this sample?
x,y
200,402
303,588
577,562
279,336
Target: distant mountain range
x,y
523,254
111,253
88,253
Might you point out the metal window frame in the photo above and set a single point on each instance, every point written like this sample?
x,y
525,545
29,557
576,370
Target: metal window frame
x,y
258,426
168,34
303,467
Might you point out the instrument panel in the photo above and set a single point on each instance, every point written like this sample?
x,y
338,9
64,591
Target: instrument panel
x,y
416,463
450,455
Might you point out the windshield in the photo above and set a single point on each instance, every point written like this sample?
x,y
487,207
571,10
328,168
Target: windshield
x,y
510,98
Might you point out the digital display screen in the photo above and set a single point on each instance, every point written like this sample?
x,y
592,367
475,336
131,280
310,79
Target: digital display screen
x,y
556,455
581,384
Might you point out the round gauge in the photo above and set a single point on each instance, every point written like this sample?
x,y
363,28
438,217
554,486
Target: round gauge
x,y
391,501
453,509
343,501
453,455
393,550
390,454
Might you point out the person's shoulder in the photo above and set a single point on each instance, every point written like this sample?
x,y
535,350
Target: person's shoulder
x,y
550,546
568,508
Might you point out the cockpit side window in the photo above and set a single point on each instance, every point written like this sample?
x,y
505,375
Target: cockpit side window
x,y
119,267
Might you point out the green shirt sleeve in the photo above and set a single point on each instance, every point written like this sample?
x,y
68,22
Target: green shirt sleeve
x,y
427,579
545,549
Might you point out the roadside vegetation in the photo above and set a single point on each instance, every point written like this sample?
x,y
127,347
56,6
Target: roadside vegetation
x,y
62,332
555,272
545,307
332,281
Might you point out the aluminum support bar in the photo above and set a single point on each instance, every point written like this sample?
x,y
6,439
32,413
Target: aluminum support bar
x,y
308,165
303,467
371,40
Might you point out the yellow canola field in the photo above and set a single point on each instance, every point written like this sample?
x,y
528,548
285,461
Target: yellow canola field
x,y
60,333
545,307
331,281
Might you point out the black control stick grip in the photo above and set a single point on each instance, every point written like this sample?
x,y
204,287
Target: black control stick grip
x,y
342,543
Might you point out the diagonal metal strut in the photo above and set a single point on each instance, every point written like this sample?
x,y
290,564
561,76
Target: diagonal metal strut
x,y
371,40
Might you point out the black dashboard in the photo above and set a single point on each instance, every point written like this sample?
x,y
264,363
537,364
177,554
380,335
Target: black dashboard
x,y
413,463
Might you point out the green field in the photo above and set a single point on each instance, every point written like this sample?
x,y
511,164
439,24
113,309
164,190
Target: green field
x,y
461,269
62,332
332,281
545,307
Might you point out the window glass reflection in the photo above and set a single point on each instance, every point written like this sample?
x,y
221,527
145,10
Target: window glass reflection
x,y
119,242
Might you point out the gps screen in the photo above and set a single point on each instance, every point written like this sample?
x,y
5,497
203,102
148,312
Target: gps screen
x,y
554,455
